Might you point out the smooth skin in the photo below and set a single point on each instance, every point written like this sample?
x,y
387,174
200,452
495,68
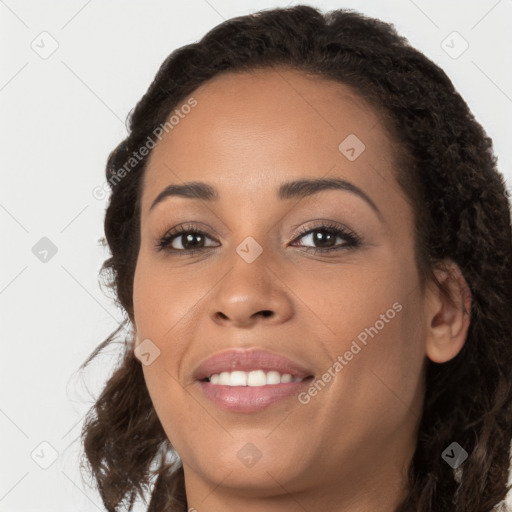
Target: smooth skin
x,y
348,449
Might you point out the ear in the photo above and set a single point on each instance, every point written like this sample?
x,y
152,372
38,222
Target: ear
x,y
447,322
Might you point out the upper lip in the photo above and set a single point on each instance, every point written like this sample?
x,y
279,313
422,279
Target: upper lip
x,y
243,359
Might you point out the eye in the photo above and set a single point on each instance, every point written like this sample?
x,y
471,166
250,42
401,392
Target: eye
x,y
184,240
329,233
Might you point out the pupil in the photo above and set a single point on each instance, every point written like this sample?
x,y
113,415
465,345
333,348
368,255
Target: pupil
x,y
189,238
322,238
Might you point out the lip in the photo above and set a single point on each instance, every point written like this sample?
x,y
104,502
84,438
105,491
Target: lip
x,y
243,359
247,399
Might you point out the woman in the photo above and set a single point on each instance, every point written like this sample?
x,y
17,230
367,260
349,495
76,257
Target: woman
x,y
313,246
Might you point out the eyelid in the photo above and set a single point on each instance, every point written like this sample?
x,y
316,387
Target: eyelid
x,y
324,224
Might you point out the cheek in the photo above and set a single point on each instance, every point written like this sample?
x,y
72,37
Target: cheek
x,y
370,316
164,299
341,302
163,313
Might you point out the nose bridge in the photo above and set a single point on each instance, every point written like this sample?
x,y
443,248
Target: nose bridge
x,y
250,287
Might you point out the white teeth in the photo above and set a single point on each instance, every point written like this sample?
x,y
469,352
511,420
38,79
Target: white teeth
x,y
238,379
253,378
273,377
225,379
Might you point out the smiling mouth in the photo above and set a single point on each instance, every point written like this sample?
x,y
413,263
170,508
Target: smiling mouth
x,y
253,378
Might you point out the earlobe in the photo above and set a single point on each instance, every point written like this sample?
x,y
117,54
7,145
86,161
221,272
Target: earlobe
x,y
447,320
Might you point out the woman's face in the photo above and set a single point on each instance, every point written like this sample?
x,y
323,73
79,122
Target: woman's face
x,y
352,319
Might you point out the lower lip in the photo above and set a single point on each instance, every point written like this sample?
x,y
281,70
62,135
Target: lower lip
x,y
250,398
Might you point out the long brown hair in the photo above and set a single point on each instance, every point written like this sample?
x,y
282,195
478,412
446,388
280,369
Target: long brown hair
x,y
449,173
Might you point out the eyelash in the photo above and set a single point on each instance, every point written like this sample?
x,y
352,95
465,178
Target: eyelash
x,y
352,239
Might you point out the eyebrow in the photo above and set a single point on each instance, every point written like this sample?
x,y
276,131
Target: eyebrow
x,y
287,190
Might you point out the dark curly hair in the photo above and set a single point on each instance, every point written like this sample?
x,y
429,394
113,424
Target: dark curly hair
x,y
447,169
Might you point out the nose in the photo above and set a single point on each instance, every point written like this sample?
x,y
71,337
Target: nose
x,y
250,293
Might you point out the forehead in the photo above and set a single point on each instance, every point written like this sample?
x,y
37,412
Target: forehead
x,y
265,126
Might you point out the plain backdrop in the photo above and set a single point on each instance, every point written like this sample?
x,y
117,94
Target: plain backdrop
x,y
70,72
